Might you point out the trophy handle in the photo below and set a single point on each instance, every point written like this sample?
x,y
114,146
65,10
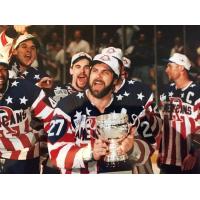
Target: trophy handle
x,y
136,122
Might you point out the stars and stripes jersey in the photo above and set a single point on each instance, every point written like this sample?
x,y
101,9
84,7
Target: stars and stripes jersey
x,y
70,131
21,100
136,96
32,74
58,92
5,44
180,110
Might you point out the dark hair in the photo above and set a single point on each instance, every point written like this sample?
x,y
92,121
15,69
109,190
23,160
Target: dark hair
x,y
81,58
5,65
99,62
35,41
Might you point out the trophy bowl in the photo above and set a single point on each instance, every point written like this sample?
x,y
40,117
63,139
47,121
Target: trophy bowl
x,y
113,127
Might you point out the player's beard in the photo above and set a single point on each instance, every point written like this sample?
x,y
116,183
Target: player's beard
x,y
103,92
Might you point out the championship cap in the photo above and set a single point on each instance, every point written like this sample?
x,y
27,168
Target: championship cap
x,y
79,55
180,59
25,37
4,60
108,60
126,62
115,52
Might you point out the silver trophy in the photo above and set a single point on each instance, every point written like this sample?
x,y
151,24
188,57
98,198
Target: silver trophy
x,y
113,127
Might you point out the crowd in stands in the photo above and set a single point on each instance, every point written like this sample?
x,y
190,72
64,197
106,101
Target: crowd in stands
x,y
138,43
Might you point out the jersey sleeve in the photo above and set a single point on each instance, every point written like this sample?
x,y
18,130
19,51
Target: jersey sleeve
x,y
141,153
65,151
38,106
150,122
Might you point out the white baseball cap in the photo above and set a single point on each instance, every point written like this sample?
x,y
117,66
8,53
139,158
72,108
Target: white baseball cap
x,y
180,59
115,52
108,60
126,62
4,59
80,55
25,37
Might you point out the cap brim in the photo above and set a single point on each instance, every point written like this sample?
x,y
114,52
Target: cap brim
x,y
166,60
80,58
35,41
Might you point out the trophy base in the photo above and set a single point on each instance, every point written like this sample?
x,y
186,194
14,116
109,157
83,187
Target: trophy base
x,y
115,158
120,166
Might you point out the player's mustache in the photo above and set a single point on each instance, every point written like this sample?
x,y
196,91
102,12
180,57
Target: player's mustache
x,y
98,80
82,74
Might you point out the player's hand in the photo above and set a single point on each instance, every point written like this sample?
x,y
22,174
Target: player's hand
x,y
45,82
189,162
21,29
100,149
127,142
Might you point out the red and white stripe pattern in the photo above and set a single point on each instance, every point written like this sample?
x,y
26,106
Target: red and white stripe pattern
x,y
23,143
176,137
5,44
141,152
67,152
155,120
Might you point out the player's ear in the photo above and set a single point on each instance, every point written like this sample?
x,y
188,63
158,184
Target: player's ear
x,y
115,82
14,52
182,67
71,71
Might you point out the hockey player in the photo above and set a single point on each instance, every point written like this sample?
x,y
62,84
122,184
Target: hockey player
x,y
19,143
180,108
133,93
79,71
21,49
70,145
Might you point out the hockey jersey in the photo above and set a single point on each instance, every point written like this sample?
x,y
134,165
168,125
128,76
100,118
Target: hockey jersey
x,y
138,96
18,141
73,124
180,110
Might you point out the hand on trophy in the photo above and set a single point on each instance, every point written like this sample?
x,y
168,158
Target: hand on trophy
x,y
126,142
100,149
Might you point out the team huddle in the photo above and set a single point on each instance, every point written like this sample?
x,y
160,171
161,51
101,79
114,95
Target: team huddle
x,y
48,127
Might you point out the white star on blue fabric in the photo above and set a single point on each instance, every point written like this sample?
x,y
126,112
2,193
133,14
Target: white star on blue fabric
x,y
193,85
78,114
14,83
163,97
182,95
80,95
119,97
9,100
88,111
140,96
23,100
37,77
131,82
171,94
25,73
126,94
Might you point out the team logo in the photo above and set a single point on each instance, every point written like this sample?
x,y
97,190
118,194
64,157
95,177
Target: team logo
x,y
105,58
111,50
5,116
